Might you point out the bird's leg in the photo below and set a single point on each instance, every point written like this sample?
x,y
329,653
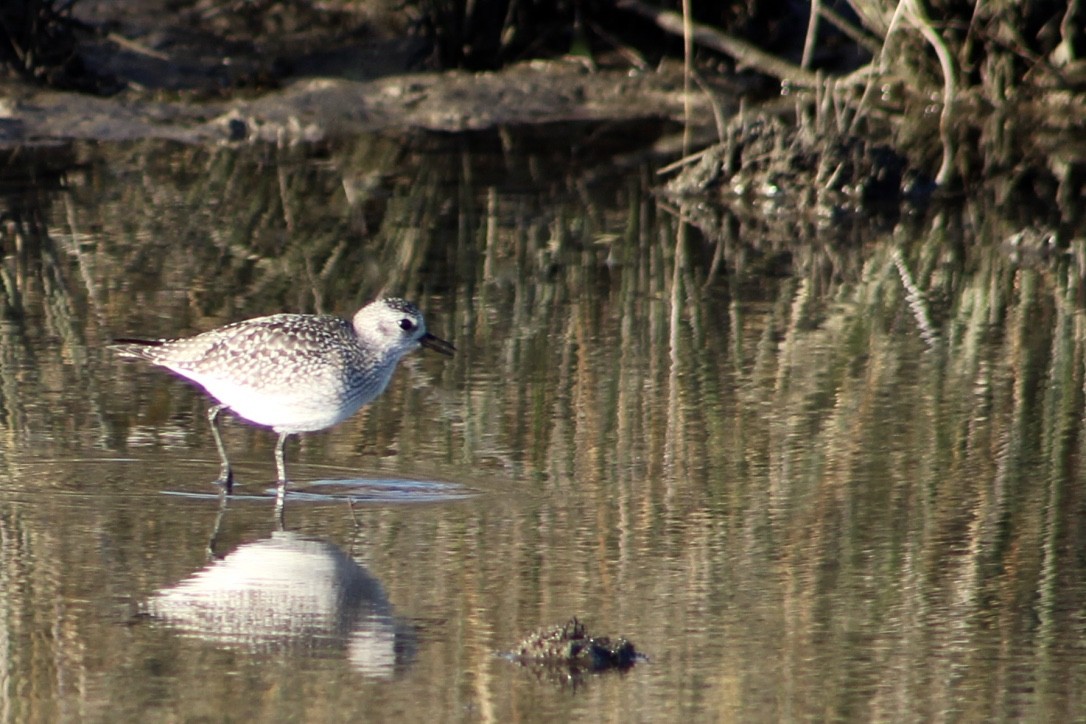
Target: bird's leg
x,y
281,489
226,475
280,463
212,543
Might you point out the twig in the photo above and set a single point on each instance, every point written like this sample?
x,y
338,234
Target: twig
x,y
856,35
718,112
741,50
138,48
632,56
688,69
882,61
684,161
915,13
812,33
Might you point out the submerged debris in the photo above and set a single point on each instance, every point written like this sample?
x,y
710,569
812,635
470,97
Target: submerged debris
x,y
569,645
1034,241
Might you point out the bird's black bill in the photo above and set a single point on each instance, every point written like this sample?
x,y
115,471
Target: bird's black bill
x,y
437,344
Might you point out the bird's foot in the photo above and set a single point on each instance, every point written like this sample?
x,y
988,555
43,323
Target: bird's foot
x,y
226,480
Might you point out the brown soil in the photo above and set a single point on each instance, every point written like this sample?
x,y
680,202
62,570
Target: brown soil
x,y
203,73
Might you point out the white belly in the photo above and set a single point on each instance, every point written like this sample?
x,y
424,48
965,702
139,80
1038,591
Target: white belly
x,y
308,405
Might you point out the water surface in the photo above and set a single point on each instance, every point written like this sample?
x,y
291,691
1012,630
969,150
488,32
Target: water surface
x,y
831,477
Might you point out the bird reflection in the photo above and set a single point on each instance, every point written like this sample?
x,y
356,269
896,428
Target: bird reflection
x,y
289,592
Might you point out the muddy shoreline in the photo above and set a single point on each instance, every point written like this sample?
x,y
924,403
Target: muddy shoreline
x,y
199,72
202,76
323,108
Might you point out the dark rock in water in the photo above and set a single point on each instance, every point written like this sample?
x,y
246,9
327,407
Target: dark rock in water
x,y
570,645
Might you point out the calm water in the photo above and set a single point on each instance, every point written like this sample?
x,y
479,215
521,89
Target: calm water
x,y
812,476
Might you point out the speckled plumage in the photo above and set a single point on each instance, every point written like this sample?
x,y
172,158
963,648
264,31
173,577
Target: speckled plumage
x,y
294,372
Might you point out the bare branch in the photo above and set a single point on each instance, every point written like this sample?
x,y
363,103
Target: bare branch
x,y
742,51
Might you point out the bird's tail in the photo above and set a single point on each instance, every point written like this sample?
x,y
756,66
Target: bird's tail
x,y
135,348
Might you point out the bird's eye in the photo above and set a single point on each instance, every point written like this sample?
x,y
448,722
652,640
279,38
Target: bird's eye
x,y
406,325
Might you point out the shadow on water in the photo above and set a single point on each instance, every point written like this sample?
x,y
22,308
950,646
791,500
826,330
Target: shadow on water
x,y
354,490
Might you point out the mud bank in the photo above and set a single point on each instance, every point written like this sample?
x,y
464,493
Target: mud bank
x,y
319,108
